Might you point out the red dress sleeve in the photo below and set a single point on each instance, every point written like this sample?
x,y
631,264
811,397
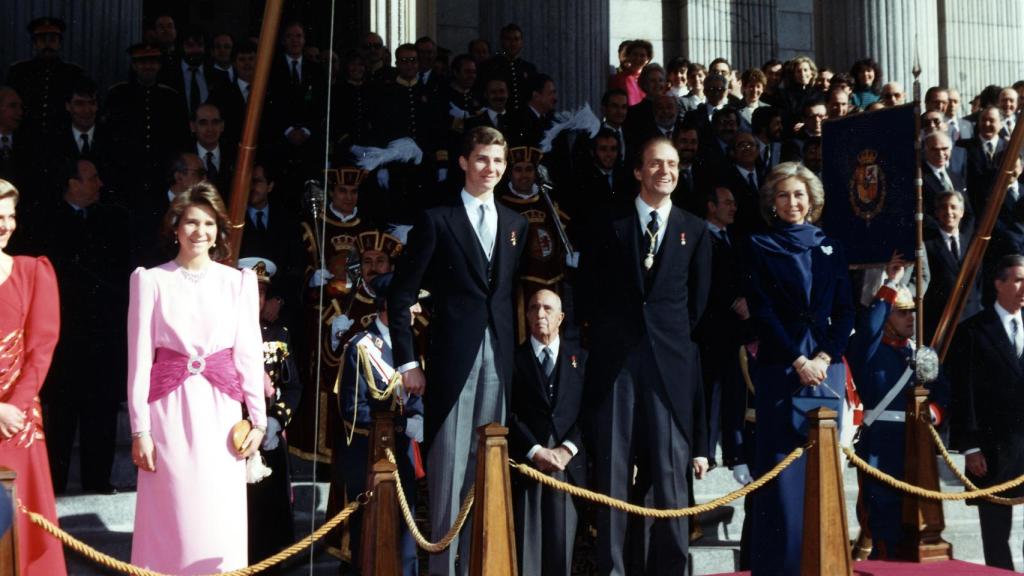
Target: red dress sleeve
x,y
42,328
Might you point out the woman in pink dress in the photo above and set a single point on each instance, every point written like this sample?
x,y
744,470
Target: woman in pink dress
x,y
29,326
195,355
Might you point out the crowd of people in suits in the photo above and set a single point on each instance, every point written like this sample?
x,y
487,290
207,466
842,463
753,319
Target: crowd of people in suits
x,y
627,300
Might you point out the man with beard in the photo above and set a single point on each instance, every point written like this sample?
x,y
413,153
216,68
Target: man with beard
x,y
767,128
191,76
44,80
693,184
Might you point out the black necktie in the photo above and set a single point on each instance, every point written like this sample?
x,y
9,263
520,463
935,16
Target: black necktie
x,y
85,144
750,180
548,366
211,168
724,237
296,78
5,147
768,156
260,225
687,178
80,213
193,94
954,248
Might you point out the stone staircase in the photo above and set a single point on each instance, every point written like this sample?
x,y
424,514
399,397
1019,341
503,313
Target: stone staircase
x,y
105,522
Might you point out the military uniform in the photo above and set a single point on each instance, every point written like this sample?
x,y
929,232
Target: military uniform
x,y
543,263
43,84
369,353
270,518
311,432
516,73
352,101
408,109
878,359
149,125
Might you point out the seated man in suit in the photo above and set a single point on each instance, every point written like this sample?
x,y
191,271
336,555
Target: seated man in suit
x,y
547,389
986,424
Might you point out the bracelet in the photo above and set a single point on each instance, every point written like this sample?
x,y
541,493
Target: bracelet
x,y
140,434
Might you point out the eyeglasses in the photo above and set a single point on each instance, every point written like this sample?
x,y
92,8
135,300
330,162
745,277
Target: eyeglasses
x,y
408,60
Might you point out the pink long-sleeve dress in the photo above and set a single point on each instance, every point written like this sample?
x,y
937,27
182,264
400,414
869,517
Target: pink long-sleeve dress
x,y
195,354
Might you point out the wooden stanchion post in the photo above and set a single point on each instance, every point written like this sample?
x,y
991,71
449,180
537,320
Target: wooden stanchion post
x,y
826,546
923,521
382,437
9,542
380,549
494,540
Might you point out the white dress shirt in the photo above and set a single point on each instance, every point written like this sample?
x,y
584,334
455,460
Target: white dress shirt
x,y
538,352
344,218
472,205
643,211
1004,318
201,152
204,90
78,136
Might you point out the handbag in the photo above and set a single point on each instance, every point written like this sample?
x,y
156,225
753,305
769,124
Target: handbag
x,y
808,398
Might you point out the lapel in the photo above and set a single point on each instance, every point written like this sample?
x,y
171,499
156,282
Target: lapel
x,y
947,256
466,238
821,267
997,336
504,250
568,378
626,229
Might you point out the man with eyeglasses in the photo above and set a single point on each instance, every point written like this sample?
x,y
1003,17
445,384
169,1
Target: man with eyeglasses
x,y
814,114
716,90
956,161
373,52
744,178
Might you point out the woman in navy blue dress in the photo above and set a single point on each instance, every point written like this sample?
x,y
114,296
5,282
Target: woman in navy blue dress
x,y
802,310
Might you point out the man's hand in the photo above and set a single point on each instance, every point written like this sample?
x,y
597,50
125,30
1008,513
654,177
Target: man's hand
x,y
811,372
414,381
548,460
896,267
700,467
977,465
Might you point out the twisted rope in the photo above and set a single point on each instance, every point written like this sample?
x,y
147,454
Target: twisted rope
x,y
446,541
923,492
127,568
1002,501
550,482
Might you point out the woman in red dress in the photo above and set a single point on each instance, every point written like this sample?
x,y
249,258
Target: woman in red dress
x,y
29,326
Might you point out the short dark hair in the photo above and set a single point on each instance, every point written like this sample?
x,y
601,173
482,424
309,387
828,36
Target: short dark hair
x,y
676,64
537,83
482,136
511,27
726,111
603,134
720,61
459,60
638,160
243,46
83,86
207,104
406,48
425,39
1007,262
194,33
607,97
762,118
474,41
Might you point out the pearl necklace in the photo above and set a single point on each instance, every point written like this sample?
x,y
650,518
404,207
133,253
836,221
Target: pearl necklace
x,y
193,277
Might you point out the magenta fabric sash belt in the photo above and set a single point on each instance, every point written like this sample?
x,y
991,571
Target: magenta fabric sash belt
x,y
170,369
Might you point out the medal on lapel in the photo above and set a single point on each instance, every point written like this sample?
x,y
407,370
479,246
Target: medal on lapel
x,y
682,238
572,360
513,238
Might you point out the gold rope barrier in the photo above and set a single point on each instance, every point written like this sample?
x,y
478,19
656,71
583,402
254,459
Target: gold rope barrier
x,y
573,490
126,568
1003,501
442,544
923,493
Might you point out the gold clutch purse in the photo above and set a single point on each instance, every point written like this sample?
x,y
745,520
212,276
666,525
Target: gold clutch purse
x,y
238,434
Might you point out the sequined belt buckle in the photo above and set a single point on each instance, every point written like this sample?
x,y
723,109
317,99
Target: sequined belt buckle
x,y
196,364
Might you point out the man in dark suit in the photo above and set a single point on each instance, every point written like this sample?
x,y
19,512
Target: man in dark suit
x,y
984,155
946,246
232,98
191,76
83,238
743,179
1008,235
766,124
207,127
645,277
716,87
531,121
599,180
547,390
465,253
986,424
693,178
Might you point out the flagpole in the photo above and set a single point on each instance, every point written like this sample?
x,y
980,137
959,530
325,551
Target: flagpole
x,y
919,216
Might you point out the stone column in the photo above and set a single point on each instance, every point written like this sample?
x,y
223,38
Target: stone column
x,y
707,28
892,32
979,45
566,39
394,20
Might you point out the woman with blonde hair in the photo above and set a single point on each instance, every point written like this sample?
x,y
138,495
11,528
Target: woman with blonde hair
x,y
802,310
195,356
29,328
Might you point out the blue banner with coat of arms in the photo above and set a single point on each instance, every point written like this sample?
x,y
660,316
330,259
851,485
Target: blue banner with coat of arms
x,y
868,170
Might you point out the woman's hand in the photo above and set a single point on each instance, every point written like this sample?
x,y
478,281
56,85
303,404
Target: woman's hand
x,y
12,420
811,372
252,441
143,453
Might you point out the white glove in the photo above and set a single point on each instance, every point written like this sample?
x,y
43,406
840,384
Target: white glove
x,y
572,260
383,178
414,428
273,436
741,474
320,277
339,325
256,469
442,174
